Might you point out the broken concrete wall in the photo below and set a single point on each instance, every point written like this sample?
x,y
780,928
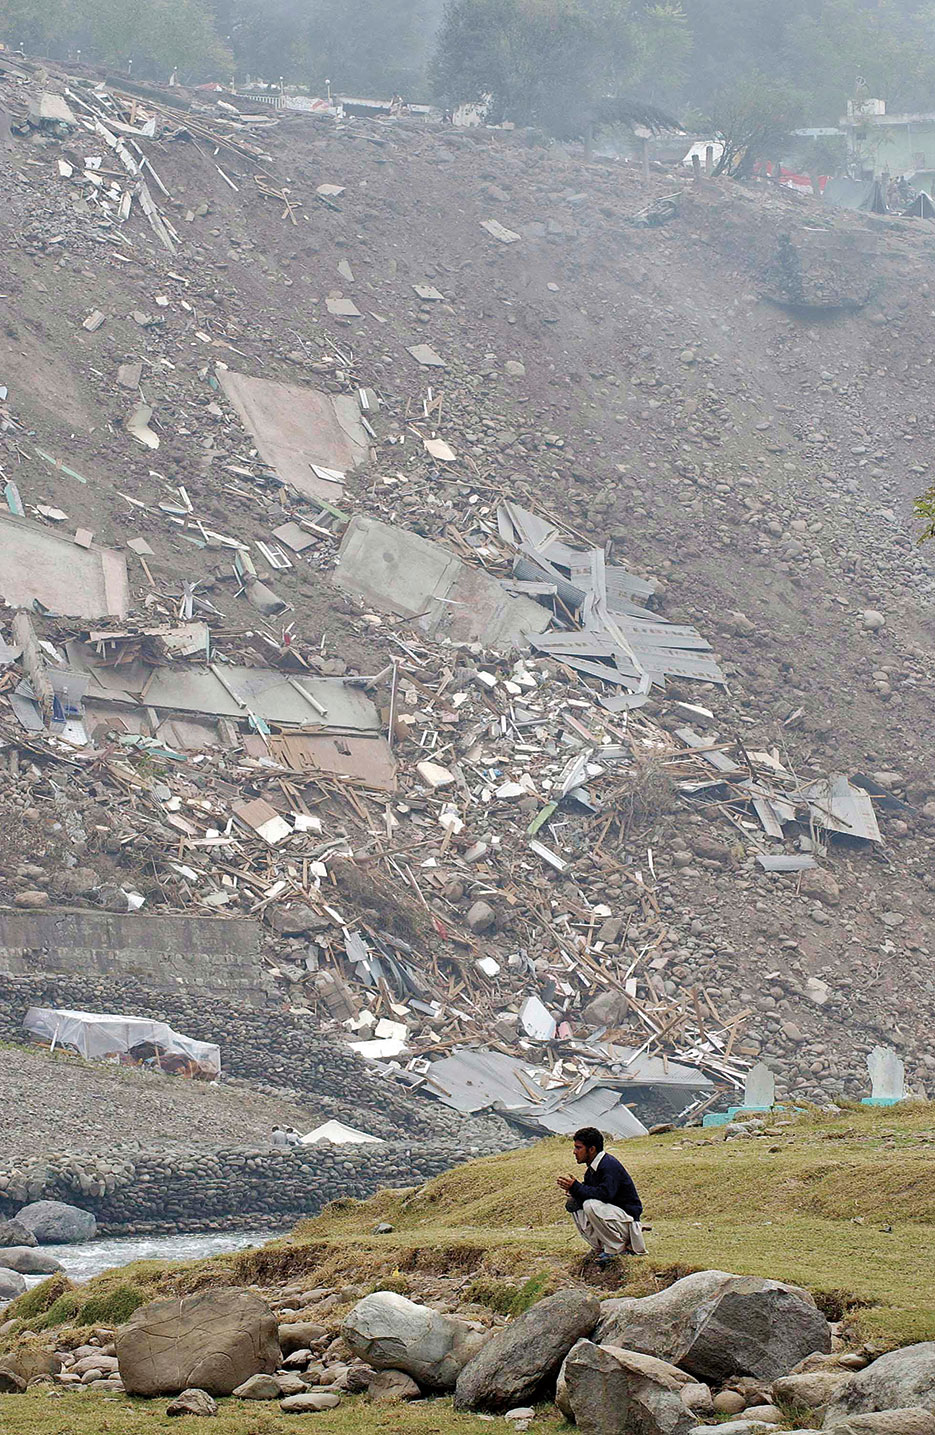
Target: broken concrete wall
x,y
38,565
402,573
296,427
209,954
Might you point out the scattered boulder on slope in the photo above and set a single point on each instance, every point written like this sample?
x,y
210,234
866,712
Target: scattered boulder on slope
x,y
899,1380
55,1223
213,1341
624,1392
810,1388
523,1359
14,1233
28,1261
193,1402
11,1284
717,1325
390,1332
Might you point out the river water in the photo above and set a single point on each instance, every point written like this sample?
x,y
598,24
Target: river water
x,y
83,1261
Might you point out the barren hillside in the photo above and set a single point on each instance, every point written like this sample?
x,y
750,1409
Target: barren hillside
x,y
747,427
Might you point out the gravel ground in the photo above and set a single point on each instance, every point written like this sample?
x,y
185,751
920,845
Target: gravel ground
x,y
102,1107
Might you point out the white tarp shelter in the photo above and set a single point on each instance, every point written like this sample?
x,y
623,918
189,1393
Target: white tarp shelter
x,y
339,1135
97,1034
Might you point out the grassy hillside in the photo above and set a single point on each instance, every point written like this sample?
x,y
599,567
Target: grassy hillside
x,y
845,1206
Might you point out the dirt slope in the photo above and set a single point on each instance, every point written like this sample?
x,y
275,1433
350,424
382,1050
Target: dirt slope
x,y
763,464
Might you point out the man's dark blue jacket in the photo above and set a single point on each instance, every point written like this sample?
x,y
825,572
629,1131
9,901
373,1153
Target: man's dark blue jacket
x,y
611,1182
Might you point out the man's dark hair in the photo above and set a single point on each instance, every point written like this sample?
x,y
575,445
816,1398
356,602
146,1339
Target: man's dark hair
x,y
590,1136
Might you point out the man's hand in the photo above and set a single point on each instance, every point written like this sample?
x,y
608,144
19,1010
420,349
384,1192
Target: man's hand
x,y
565,1183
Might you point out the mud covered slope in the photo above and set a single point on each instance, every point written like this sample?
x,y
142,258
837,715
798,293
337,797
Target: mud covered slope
x,y
737,400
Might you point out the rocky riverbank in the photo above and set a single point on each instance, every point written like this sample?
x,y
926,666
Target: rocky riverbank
x,y
708,1346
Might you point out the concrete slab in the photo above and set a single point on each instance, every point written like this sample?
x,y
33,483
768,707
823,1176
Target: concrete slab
x,y
295,427
38,565
216,955
399,572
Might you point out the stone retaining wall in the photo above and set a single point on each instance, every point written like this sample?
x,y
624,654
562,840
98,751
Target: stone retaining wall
x,y
230,1188
274,1047
163,951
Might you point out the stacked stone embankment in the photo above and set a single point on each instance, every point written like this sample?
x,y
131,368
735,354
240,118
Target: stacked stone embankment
x,y
223,1189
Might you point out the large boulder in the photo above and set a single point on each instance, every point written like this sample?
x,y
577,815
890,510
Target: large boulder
x,y
54,1223
211,1341
14,1233
899,1380
717,1325
522,1360
11,1284
911,1421
623,1392
390,1332
28,1261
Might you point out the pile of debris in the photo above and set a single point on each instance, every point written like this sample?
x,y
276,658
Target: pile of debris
x,y
93,116
501,798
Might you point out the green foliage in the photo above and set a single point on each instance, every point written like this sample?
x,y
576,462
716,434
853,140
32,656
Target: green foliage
x,y
157,36
496,1295
112,1307
56,1302
566,66
754,119
534,1289
397,1283
925,509
36,1302
507,1298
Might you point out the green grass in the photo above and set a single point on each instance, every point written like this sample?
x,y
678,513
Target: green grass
x,y
810,1205
40,1412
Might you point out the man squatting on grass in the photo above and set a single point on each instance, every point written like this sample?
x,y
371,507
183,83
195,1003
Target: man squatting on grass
x,y
605,1205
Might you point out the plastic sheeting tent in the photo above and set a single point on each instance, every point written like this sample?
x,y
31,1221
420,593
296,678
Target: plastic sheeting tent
x,y
866,194
96,1035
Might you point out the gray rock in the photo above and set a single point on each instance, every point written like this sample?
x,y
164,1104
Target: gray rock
x,y
310,1403
193,1402
606,1009
697,1398
617,1392
300,1335
289,1383
14,1233
523,1359
900,1380
390,1332
481,916
392,1385
741,1427
28,1261
809,1389
11,1284
717,1325
10,1382
214,1341
910,1421
259,1387
55,1223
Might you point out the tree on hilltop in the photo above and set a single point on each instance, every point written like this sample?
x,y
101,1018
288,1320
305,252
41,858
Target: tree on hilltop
x,y
567,66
